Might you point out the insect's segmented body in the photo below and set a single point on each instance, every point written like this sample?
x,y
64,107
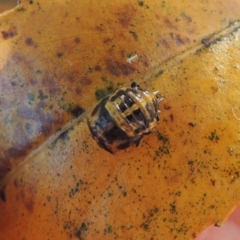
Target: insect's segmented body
x,y
124,117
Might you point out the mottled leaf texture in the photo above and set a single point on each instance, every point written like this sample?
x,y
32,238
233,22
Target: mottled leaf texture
x,y
58,59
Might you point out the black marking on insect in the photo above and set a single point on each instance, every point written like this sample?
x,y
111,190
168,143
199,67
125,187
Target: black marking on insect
x,y
124,117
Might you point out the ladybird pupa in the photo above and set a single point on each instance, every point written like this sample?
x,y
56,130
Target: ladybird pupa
x,y
124,117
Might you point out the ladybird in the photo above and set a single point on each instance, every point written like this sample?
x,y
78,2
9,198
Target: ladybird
x,y
124,117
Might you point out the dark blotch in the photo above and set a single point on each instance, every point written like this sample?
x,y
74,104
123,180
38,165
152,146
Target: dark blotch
x,y
76,189
29,41
15,152
11,153
29,205
16,183
42,96
167,107
117,68
134,34
98,68
141,3
206,42
213,182
77,111
59,54
126,14
77,40
179,40
14,84
3,194
64,136
27,196
187,18
192,124
160,72
10,33
5,167
99,28
81,231
85,81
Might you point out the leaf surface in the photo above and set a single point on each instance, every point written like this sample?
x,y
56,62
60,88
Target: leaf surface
x,y
58,59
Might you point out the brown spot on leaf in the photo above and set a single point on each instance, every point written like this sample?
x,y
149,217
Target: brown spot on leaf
x,y
169,24
72,76
29,205
126,14
16,152
98,68
26,195
207,42
80,233
18,58
60,54
192,124
178,39
33,81
9,33
16,183
8,155
165,43
107,41
214,89
171,117
78,90
99,28
54,90
117,68
47,80
77,40
166,106
186,17
144,60
77,111
213,182
3,194
29,42
85,81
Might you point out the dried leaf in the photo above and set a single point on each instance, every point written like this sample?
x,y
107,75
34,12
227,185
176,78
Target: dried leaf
x,y
58,58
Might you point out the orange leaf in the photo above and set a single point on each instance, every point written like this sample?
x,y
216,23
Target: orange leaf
x,y
58,59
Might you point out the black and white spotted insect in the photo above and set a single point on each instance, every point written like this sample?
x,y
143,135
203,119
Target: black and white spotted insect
x,y
124,117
